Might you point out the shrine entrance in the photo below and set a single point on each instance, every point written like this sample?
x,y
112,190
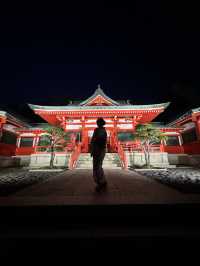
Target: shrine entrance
x,y
88,136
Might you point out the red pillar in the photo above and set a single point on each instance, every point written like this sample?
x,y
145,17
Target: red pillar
x,y
162,149
84,137
133,124
2,122
115,133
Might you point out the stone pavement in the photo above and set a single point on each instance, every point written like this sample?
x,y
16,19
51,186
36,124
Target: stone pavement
x,y
77,187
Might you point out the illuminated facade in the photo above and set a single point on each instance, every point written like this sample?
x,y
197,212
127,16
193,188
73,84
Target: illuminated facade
x,y
79,120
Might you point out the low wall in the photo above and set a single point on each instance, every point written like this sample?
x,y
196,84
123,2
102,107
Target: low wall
x,y
24,160
178,159
9,161
157,159
195,160
184,159
43,160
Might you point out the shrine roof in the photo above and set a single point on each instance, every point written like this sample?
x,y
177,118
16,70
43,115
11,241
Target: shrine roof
x,y
110,107
2,113
13,119
164,126
185,115
98,92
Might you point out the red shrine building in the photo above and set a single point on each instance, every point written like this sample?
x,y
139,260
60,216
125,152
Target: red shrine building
x,y
78,119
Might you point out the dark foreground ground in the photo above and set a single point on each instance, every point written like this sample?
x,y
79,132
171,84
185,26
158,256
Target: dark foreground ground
x,y
77,187
62,218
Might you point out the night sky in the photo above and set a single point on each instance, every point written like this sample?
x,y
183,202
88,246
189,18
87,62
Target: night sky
x,y
147,52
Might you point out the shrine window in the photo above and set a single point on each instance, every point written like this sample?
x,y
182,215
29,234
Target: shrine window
x,y
189,136
44,140
172,141
69,135
125,136
8,138
26,142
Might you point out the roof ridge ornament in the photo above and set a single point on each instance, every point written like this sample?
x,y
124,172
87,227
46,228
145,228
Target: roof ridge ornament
x,y
99,92
99,89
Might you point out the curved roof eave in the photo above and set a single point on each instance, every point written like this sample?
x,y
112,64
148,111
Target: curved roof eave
x,y
119,107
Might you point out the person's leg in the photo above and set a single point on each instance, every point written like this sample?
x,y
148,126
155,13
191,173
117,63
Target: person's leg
x,y
101,181
95,168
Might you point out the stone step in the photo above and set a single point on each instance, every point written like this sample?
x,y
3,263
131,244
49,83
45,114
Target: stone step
x,y
79,163
85,161
106,158
106,167
111,161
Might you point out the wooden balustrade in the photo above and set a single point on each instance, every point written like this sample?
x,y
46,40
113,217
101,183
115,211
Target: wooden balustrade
x,y
130,146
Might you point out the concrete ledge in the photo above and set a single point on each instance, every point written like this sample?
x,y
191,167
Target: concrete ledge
x,y
24,160
9,161
195,160
184,159
152,169
43,160
178,159
46,170
157,159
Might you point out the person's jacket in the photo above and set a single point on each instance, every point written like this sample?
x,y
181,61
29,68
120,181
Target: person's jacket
x,y
98,141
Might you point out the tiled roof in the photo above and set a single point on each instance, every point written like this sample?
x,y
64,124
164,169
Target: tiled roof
x,y
100,92
112,107
186,114
13,118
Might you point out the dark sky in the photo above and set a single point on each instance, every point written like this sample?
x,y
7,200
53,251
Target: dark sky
x,y
148,52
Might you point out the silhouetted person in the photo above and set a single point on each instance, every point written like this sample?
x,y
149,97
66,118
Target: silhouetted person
x,y
98,151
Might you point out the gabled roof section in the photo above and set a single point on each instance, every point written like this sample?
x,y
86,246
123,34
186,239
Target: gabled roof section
x,y
147,107
185,115
13,119
99,98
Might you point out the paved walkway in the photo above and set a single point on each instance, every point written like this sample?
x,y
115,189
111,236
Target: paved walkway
x,y
77,187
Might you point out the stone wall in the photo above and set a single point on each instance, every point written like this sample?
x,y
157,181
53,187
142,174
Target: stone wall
x,y
184,159
9,161
43,160
23,160
157,159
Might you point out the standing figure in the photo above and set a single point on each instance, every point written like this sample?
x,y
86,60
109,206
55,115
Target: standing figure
x,y
98,151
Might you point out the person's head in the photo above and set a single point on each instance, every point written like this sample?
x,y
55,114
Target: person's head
x,y
100,122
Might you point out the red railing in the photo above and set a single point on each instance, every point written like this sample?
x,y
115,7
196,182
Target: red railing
x,y
122,156
74,156
130,146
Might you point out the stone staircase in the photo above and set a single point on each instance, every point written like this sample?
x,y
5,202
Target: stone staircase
x,y
111,161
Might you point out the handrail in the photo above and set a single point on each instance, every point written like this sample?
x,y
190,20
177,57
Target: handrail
x,y
122,156
130,146
74,156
